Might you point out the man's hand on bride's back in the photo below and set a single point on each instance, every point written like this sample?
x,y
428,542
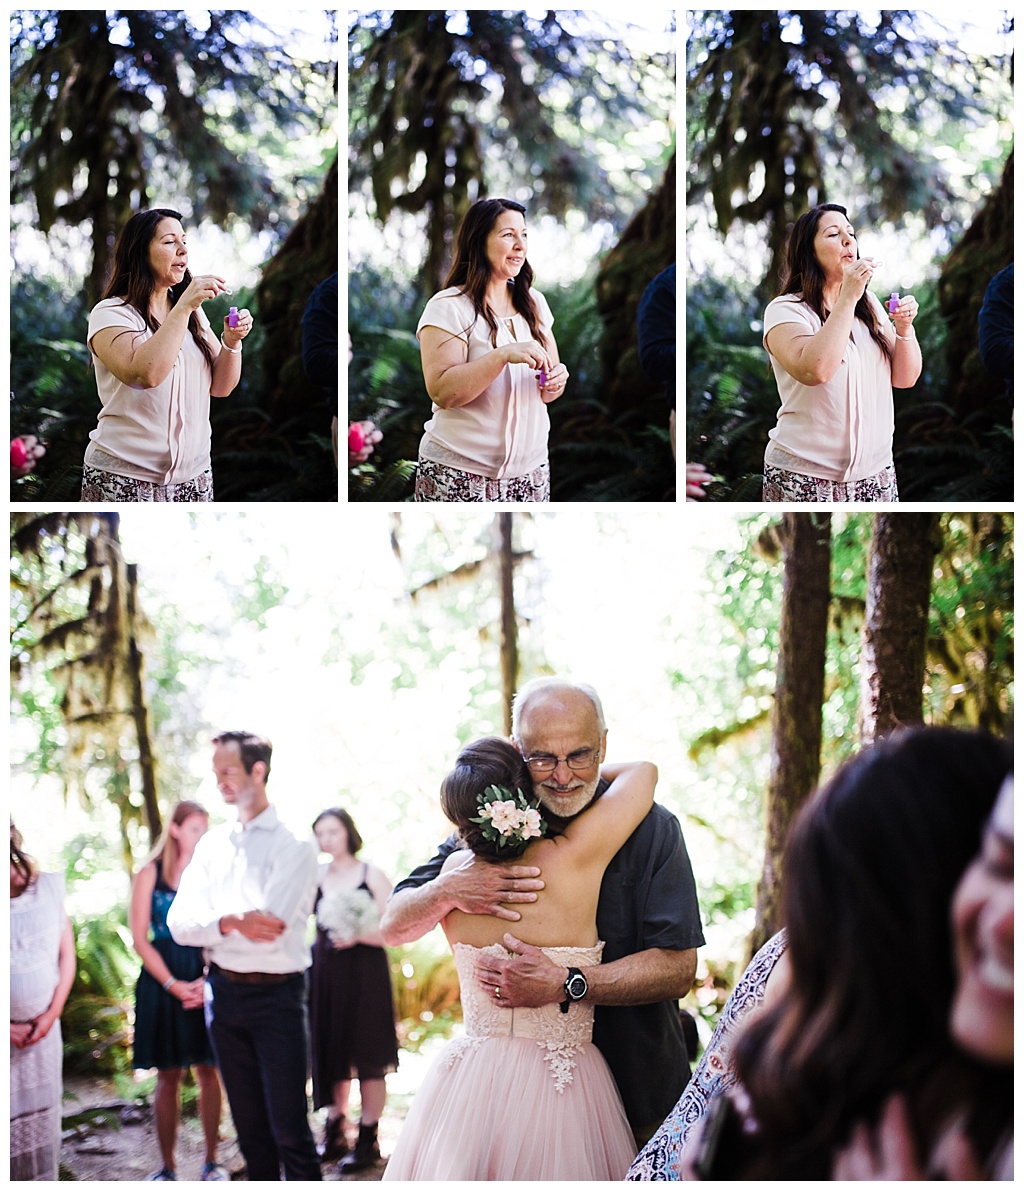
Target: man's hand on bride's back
x,y
476,887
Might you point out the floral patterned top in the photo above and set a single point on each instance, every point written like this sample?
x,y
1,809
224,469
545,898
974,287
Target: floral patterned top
x,y
659,1159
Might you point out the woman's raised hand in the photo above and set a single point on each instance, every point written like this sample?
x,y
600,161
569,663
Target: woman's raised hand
x,y
856,278
528,352
202,288
905,314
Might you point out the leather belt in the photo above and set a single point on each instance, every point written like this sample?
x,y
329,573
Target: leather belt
x,y
252,977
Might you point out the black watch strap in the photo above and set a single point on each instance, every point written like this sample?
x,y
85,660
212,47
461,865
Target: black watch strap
x,y
575,988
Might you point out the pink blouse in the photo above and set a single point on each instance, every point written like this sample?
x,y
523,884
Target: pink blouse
x,y
841,430
161,435
503,433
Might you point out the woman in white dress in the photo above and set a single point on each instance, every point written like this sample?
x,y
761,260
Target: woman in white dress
x,y
524,1094
42,972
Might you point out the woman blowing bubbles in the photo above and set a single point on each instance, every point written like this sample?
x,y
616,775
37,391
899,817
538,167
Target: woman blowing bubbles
x,y
157,364
836,359
490,365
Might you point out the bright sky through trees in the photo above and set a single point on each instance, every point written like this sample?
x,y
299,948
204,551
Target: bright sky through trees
x,y
603,602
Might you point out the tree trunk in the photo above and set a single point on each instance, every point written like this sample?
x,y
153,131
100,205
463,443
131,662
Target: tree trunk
x,y
140,710
308,256
903,549
509,638
799,692
645,249
983,250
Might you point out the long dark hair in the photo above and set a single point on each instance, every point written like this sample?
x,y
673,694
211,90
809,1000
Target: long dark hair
x,y
132,279
802,274
870,869
21,862
471,270
489,761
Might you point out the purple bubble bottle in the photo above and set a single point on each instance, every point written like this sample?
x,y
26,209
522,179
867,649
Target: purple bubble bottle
x,y
233,317
893,304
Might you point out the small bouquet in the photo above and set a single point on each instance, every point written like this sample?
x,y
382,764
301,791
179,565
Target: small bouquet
x,y
508,819
347,914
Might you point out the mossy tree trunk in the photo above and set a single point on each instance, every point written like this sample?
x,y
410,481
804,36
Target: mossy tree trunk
x,y
307,257
903,549
985,248
646,247
509,633
799,693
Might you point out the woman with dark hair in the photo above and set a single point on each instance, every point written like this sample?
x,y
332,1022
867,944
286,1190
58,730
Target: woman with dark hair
x,y
491,366
352,1015
836,358
871,866
525,1095
981,1022
170,1030
42,972
157,363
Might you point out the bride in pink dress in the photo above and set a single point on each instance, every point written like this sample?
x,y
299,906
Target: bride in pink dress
x,y
524,1094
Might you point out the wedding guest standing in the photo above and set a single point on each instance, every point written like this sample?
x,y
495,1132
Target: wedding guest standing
x,y
836,358
158,362
491,367
170,1032
246,899
42,972
352,1016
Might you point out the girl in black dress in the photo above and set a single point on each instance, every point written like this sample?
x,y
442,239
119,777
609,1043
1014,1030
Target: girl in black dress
x,y
170,1031
352,1016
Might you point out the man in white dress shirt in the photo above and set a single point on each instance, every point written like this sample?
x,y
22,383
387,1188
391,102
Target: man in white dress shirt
x,y
245,899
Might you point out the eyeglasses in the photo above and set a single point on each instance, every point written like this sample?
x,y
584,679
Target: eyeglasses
x,y
581,759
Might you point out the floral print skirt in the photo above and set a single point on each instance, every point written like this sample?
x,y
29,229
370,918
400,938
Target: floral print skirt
x,y
436,482
781,485
102,486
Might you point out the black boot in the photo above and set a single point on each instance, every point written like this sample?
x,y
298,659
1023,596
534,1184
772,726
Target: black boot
x,y
366,1153
334,1145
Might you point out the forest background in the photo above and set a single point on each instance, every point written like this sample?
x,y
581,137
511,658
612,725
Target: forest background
x,y
906,118
227,117
573,114
370,665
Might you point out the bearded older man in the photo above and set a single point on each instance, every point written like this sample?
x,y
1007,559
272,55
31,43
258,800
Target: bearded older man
x,y
647,912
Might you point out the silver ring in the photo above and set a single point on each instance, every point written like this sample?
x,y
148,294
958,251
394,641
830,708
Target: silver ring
x,y
497,992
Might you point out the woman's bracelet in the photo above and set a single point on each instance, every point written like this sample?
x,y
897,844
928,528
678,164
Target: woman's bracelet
x,y
235,351
905,338
166,986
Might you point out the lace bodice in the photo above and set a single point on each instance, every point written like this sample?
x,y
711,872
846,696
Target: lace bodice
x,y
560,1034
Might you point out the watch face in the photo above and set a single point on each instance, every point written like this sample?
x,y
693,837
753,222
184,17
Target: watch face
x,y
576,986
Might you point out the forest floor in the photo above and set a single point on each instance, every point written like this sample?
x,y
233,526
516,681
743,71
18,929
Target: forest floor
x,y
121,1145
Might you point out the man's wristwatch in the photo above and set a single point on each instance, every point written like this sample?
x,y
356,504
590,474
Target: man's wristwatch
x,y
575,988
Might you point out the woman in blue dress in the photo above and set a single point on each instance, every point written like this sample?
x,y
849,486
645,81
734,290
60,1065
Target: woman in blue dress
x,y
170,1030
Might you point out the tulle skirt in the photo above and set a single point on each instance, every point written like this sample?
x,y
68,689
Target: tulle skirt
x,y
490,1109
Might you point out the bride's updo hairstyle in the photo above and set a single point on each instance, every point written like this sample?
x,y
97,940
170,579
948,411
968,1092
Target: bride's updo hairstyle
x,y
489,761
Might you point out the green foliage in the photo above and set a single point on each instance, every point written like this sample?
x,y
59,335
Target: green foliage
x,y
110,107
594,456
441,104
733,402
731,396
95,1022
785,109
425,984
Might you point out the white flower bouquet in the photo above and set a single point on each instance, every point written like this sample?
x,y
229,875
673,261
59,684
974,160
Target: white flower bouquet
x,y
347,914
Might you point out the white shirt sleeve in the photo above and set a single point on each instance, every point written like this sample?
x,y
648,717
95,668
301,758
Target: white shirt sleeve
x,y
192,919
